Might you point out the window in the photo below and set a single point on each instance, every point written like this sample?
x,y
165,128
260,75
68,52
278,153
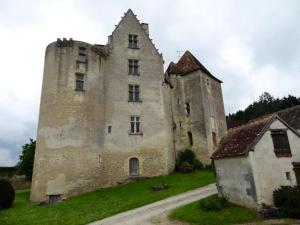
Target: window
x,y
187,108
109,129
281,142
134,93
79,83
190,136
288,175
82,54
214,138
133,41
133,67
135,124
53,199
133,167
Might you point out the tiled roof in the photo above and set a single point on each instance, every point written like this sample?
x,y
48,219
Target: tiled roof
x,y
291,116
187,64
239,140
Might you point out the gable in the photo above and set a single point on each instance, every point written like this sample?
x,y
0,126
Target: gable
x,y
129,24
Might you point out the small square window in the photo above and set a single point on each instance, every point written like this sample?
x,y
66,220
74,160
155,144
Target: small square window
x,y
133,41
79,82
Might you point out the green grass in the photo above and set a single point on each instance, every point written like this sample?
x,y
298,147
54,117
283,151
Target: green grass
x,y
232,214
101,203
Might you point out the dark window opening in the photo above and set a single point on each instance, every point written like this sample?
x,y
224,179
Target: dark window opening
x,y
135,124
109,129
180,124
79,82
133,67
53,199
190,136
178,101
288,175
187,108
281,142
82,54
133,41
133,167
214,138
207,82
134,93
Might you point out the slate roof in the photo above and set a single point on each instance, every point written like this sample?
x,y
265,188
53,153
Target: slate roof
x,y
187,64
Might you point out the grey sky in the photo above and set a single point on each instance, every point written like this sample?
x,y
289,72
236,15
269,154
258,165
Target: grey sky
x,y
253,46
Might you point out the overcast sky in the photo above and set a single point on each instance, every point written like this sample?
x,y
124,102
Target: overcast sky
x,y
253,46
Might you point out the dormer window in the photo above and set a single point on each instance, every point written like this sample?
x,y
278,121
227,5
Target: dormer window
x,y
133,41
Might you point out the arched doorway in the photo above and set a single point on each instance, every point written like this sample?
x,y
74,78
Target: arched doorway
x,y
133,167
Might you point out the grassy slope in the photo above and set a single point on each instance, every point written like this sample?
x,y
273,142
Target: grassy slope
x,y
193,214
101,203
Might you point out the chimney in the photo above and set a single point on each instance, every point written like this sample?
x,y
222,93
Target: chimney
x,y
145,26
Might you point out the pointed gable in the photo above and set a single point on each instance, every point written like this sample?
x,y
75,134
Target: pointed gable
x,y
187,64
130,15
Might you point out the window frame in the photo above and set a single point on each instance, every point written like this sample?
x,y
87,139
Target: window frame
x,y
133,67
134,93
135,124
81,81
82,54
133,41
280,140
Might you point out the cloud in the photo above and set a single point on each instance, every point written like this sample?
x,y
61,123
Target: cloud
x,y
252,46
6,158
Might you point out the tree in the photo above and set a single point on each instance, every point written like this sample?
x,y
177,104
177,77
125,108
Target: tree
x,y
25,164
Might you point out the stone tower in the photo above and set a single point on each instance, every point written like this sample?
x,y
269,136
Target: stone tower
x,y
103,118
197,107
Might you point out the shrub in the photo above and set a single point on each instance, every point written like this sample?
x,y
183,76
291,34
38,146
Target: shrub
x,y
198,165
186,167
287,199
213,203
7,194
187,156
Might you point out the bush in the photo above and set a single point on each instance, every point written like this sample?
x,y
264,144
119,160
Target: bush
x,y
213,203
287,199
186,167
7,194
198,165
25,164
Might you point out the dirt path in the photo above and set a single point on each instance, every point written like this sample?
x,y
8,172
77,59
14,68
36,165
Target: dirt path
x,y
156,213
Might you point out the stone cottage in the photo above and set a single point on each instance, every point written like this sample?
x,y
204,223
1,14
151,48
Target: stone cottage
x,y
256,158
106,113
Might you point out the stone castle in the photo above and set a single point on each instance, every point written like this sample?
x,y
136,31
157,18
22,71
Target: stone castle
x,y
109,113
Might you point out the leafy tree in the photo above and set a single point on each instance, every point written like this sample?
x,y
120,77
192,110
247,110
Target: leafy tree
x,y
265,105
25,164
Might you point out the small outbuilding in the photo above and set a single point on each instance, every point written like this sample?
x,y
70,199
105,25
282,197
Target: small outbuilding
x,y
255,159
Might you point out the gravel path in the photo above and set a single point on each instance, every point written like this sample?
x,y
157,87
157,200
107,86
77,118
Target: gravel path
x,y
156,213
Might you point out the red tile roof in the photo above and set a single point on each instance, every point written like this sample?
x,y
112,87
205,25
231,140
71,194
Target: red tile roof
x,y
187,64
239,140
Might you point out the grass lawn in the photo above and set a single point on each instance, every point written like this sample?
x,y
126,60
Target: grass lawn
x,y
101,203
233,214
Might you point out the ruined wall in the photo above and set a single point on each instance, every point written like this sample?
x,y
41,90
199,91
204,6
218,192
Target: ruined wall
x,y
204,96
70,138
270,170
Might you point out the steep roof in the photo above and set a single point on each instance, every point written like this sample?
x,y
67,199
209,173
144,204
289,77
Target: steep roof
x,y
240,140
291,116
187,64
